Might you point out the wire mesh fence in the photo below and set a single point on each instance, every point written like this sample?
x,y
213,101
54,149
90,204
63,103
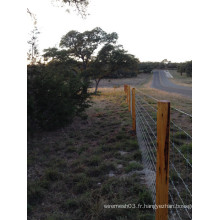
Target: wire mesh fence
x,y
180,162
180,178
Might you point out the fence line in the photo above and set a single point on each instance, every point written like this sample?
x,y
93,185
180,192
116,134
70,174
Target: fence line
x,y
180,157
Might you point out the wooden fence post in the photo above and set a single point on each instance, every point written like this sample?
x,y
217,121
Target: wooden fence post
x,y
127,94
129,99
133,110
126,87
162,170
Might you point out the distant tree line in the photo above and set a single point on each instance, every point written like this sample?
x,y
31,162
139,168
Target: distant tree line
x,y
185,68
147,67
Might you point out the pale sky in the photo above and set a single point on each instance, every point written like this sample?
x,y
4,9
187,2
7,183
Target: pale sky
x,y
152,30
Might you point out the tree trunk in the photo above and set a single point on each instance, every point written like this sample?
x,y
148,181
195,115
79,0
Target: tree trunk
x,y
96,85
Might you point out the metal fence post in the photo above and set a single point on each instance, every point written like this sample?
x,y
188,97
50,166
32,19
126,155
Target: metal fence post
x,y
162,168
133,110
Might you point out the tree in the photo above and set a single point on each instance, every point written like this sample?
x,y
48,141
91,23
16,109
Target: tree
x,y
60,61
109,60
80,5
33,52
188,68
54,53
181,68
83,45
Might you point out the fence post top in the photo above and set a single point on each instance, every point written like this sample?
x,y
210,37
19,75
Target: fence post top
x,y
163,101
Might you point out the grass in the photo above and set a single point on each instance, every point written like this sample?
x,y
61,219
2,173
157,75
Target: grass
x,y
182,80
69,170
133,166
181,135
186,149
52,175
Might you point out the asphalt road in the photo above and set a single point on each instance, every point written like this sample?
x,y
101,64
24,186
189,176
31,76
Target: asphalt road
x,y
162,82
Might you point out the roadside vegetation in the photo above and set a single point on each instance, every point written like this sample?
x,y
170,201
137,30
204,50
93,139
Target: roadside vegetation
x,y
183,79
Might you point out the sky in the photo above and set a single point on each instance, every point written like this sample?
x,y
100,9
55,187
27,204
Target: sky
x,y
152,30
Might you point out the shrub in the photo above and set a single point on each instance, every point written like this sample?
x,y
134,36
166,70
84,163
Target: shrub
x,y
55,95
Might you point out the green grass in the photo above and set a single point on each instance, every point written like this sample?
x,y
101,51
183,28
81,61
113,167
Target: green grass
x,y
180,135
186,149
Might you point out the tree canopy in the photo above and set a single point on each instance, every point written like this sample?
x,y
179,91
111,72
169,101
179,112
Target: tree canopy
x,y
83,45
110,60
80,5
55,54
185,68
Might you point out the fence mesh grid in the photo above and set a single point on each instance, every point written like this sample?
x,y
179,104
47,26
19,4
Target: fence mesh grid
x,y
180,172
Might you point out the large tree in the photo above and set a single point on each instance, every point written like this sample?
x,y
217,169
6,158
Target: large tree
x,y
111,59
83,45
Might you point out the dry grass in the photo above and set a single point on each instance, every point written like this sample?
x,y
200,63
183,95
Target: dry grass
x,y
181,80
140,80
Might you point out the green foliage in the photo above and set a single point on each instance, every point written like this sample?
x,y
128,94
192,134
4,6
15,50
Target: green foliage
x,y
186,149
56,54
145,197
147,67
189,69
83,45
180,134
56,93
185,68
112,62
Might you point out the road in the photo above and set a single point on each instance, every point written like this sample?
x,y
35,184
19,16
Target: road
x,y
162,82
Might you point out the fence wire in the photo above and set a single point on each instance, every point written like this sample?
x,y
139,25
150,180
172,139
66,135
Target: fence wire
x,y
146,128
180,172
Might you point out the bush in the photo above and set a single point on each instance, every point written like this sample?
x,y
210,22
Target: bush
x,y
55,95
